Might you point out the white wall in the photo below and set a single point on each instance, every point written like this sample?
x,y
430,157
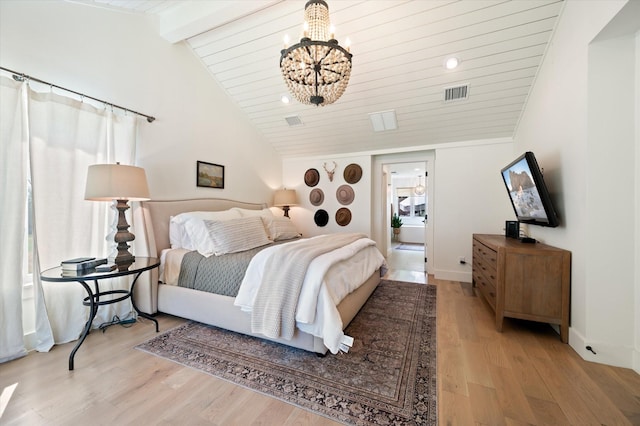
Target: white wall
x,y
470,198
611,124
119,57
572,123
302,214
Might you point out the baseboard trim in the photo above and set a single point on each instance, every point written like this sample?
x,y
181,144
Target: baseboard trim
x,y
605,353
464,277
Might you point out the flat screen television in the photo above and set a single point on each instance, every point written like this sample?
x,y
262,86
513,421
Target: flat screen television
x,y
528,193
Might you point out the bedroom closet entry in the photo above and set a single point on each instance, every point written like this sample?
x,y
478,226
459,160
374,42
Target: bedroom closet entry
x,y
404,195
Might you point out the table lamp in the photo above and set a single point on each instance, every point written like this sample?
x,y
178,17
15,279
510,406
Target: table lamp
x,y
285,198
108,182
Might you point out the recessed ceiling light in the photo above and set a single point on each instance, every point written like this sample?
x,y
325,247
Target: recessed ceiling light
x,y
285,99
451,63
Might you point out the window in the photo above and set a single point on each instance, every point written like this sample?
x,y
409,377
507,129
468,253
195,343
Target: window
x,y
410,205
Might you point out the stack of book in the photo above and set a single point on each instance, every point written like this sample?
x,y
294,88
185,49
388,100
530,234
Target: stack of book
x,y
81,265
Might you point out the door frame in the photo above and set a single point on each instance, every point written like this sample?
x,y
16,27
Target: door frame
x,y
380,218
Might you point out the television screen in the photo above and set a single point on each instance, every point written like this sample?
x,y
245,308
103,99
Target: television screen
x,y
528,193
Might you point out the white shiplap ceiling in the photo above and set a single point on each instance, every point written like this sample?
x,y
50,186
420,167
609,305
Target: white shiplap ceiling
x,y
398,48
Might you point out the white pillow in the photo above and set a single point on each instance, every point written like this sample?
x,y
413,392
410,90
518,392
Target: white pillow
x,y
188,229
235,235
177,234
252,213
217,215
280,228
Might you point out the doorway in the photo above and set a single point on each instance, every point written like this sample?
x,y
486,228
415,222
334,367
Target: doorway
x,y
404,190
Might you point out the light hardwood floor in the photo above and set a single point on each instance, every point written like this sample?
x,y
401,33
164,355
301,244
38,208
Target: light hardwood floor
x,y
524,375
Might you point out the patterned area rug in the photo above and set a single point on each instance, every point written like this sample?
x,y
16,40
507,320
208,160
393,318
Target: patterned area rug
x,y
388,376
410,247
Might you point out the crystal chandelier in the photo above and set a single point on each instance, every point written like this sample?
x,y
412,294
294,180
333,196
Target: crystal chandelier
x,y
317,69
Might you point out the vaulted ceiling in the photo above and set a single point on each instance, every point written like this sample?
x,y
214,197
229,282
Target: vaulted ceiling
x,y
399,49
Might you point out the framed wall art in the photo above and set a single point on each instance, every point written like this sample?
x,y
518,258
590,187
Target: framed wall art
x,y
210,175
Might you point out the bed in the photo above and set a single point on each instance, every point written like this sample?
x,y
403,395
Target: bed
x,y
215,309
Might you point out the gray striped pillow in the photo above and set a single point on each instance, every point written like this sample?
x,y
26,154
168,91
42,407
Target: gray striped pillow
x,y
232,236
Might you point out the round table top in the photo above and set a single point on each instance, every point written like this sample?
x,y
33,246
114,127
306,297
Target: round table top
x,y
140,264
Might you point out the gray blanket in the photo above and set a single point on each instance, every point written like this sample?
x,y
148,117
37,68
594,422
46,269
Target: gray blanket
x,y
216,274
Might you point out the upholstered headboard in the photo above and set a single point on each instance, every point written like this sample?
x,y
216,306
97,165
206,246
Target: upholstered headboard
x,y
158,213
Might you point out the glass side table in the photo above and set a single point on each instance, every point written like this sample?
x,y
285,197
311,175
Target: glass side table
x,y
140,265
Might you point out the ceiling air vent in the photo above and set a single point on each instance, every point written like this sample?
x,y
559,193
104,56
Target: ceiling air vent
x,y
456,93
383,121
293,120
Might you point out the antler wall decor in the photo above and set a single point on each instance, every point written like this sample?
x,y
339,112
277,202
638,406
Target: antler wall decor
x,y
331,172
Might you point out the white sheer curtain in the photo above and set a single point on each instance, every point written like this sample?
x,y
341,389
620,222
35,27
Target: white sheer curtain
x,y
13,202
65,136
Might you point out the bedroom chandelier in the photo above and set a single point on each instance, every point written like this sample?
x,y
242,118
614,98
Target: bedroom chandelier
x,y
419,189
317,69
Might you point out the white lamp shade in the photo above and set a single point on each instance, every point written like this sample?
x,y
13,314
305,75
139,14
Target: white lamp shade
x,y
285,197
106,182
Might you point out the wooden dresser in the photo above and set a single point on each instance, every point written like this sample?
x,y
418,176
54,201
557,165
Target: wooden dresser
x,y
526,281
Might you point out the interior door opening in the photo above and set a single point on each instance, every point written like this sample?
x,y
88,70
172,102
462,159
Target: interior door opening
x,y
407,200
385,203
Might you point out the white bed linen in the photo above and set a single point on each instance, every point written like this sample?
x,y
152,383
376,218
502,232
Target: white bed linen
x,y
170,261
328,280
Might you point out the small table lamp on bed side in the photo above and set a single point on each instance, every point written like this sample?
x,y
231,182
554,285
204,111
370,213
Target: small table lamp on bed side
x,y
285,198
107,182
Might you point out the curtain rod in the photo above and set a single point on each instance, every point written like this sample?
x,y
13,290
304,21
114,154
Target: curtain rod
x,y
17,76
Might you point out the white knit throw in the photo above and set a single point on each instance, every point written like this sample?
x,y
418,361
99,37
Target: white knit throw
x,y
274,310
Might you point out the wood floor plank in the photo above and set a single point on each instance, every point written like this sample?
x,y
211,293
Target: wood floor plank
x,y
564,393
547,412
512,399
457,411
485,405
475,363
621,385
528,378
451,375
594,397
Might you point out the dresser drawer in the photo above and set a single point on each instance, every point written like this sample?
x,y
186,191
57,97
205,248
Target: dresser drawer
x,y
489,271
486,266
487,288
483,252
